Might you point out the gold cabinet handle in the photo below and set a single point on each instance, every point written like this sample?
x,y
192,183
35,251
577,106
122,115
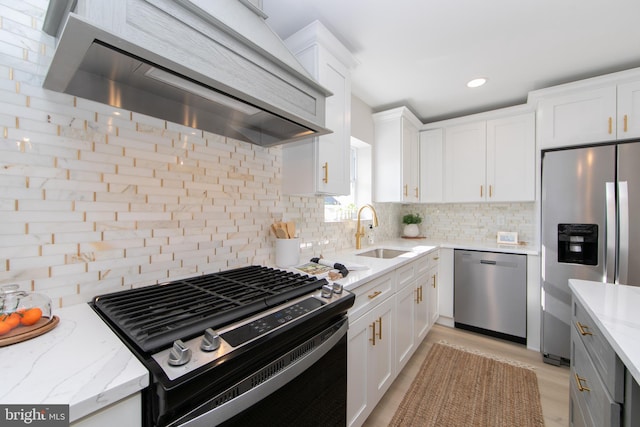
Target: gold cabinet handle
x,y
373,333
326,173
421,298
433,277
610,125
417,192
406,190
481,192
375,294
583,329
417,300
491,191
625,122
379,328
579,383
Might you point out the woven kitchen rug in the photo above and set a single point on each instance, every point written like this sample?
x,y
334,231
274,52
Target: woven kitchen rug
x,y
459,387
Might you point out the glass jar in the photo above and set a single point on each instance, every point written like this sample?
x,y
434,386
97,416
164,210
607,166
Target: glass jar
x,y
13,299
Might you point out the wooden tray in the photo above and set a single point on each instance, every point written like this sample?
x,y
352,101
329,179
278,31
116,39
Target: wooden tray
x,y
23,333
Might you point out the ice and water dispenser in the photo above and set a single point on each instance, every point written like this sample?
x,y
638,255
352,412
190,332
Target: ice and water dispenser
x,y
578,243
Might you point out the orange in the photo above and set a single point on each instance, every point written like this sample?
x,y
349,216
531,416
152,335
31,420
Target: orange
x,y
4,328
12,320
31,316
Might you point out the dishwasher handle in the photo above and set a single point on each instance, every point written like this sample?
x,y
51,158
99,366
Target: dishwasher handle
x,y
488,261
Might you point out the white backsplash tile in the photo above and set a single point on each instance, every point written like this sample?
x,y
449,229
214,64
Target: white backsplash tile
x,y
95,199
478,222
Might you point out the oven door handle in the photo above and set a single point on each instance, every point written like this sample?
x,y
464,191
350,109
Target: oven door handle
x,y
203,416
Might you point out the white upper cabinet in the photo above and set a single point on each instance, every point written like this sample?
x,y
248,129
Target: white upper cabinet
x,y
578,118
511,150
596,110
431,160
321,165
465,148
628,110
490,160
396,157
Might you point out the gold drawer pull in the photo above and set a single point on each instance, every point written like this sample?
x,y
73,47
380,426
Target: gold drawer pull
x,y
380,328
583,329
375,294
610,125
373,333
579,383
625,123
434,280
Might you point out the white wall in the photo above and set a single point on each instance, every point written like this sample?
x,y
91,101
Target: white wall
x,y
93,202
361,121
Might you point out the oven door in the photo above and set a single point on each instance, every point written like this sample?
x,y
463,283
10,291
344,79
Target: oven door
x,y
306,385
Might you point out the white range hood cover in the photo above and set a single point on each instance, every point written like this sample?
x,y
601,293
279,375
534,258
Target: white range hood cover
x,y
211,65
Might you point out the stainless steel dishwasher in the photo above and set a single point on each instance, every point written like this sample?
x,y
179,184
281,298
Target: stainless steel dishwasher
x,y
490,294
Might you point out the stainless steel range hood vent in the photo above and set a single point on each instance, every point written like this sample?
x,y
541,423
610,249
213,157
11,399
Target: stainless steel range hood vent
x,y
193,62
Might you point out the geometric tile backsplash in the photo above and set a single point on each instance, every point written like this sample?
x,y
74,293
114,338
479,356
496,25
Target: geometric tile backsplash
x,y
95,199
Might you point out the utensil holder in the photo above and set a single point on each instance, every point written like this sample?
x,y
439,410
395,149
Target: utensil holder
x,y
287,252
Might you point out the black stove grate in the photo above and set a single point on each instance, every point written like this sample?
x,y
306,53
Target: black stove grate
x,y
153,317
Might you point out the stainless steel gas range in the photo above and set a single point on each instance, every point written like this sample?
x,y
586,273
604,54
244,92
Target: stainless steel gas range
x,y
249,346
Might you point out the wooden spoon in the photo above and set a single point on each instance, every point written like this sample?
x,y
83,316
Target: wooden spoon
x,y
280,232
291,229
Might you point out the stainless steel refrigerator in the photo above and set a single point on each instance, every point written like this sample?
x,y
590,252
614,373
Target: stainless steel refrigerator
x,y
590,230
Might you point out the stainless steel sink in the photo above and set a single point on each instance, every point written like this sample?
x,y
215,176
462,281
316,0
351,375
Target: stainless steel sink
x,y
383,253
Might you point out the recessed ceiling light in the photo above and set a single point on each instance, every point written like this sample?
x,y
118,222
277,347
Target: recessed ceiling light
x,y
476,82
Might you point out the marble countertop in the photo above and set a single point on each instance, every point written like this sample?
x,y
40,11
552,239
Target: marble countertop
x,y
81,362
614,308
363,269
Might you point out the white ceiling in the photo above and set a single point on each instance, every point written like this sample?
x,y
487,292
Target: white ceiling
x,y
421,53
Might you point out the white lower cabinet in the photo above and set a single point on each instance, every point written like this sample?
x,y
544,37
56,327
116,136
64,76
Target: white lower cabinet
x,y
412,307
407,301
445,287
126,412
432,287
388,321
370,369
422,301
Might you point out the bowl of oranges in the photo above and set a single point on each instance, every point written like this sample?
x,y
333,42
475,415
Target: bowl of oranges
x,y
23,315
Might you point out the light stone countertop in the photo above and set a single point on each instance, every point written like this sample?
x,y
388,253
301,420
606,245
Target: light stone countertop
x,y
81,362
615,310
367,268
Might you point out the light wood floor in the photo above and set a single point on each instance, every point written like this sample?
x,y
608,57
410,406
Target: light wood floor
x,y
553,381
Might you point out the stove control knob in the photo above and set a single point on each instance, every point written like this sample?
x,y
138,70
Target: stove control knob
x,y
180,354
210,340
337,288
327,291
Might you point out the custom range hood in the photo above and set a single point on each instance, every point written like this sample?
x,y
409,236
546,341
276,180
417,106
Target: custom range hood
x,y
213,65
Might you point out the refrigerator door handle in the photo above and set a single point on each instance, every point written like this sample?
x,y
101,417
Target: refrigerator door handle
x,y
623,241
610,234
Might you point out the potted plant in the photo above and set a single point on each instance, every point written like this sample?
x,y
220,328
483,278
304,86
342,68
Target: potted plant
x,y
411,222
